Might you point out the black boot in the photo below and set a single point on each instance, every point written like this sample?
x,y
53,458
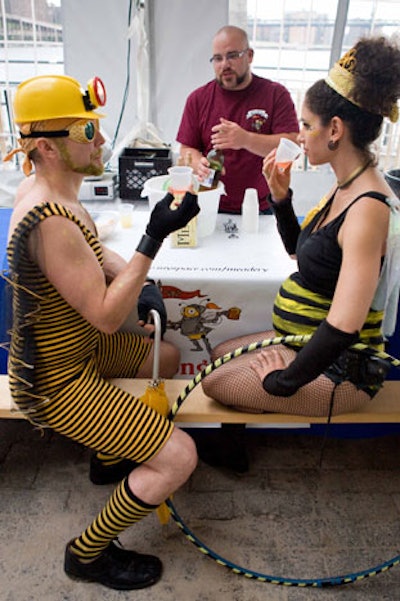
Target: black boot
x,y
109,474
116,568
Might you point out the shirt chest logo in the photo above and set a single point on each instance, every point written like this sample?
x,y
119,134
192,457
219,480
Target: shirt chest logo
x,y
257,118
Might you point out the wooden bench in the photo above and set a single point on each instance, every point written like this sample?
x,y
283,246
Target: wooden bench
x,y
201,409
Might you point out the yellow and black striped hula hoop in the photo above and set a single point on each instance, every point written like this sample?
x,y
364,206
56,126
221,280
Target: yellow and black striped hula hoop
x,y
247,572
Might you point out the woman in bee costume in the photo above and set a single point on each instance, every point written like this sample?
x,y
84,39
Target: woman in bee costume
x,y
346,287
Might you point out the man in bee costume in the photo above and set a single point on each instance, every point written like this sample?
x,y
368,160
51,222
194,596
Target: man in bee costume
x,y
70,296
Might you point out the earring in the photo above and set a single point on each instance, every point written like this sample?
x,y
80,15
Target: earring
x,y
333,144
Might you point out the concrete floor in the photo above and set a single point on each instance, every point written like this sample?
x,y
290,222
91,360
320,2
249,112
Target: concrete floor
x,y
287,516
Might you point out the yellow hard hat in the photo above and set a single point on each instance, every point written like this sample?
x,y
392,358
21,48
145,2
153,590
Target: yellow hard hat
x,y
56,96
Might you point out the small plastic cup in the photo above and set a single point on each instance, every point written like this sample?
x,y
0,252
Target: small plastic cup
x,y
286,153
126,214
180,179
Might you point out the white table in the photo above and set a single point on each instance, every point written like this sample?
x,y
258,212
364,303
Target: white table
x,y
224,287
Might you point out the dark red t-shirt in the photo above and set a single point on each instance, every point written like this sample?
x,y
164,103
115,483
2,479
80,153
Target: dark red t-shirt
x,y
264,106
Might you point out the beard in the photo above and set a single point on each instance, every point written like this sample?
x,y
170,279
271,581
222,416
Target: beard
x,y
92,168
238,80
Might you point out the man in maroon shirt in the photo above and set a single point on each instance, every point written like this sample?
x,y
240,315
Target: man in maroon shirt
x,y
240,113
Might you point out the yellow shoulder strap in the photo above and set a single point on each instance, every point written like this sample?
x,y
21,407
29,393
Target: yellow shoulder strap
x,y
314,211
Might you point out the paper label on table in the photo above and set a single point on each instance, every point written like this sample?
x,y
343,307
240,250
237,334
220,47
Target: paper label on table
x,y
186,237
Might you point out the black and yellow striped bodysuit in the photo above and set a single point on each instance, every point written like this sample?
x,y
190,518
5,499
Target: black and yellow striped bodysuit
x,y
59,363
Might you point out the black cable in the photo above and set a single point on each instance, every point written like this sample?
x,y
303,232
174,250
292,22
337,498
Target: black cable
x,y
328,423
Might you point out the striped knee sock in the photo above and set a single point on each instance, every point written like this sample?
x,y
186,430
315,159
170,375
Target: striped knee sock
x,y
122,510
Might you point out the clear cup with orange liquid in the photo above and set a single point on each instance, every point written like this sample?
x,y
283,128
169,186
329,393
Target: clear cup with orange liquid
x,y
286,153
181,180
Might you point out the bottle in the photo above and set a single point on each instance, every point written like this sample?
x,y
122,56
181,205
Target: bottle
x,y
186,236
216,159
189,159
250,211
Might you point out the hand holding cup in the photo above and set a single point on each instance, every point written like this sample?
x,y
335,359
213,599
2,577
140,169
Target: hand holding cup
x,y
286,153
278,181
166,218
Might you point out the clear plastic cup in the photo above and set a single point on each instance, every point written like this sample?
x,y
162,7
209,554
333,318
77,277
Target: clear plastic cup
x,y
180,179
126,214
286,153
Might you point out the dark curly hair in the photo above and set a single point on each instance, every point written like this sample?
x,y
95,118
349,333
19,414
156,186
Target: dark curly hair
x,y
376,89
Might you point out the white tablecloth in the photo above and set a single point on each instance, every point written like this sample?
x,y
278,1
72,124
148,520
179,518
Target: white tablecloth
x,y
223,288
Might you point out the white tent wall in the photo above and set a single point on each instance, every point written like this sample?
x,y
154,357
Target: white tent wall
x,y
180,35
95,43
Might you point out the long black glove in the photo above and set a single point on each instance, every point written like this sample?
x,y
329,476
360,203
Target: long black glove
x,y
164,221
286,221
317,355
151,298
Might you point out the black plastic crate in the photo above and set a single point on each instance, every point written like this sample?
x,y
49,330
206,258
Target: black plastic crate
x,y
136,165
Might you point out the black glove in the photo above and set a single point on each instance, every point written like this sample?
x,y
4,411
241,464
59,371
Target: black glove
x,y
287,223
317,355
151,298
164,220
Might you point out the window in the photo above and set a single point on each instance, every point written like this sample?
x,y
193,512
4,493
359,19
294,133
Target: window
x,y
31,43
296,41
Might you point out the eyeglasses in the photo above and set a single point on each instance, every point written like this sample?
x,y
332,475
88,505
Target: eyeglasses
x,y
229,56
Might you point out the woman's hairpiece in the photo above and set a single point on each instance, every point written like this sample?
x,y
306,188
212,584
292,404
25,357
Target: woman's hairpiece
x,y
341,79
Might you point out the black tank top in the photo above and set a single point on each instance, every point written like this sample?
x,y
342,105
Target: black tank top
x,y
319,255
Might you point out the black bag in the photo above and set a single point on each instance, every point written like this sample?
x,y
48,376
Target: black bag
x,y
365,372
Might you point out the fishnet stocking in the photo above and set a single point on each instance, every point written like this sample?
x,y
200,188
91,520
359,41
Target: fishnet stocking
x,y
235,384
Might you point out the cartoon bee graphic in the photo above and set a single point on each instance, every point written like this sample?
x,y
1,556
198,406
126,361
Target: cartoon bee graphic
x,y
196,319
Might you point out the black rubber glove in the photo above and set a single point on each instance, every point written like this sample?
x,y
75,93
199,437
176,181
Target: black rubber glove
x,y
317,355
164,220
286,221
151,298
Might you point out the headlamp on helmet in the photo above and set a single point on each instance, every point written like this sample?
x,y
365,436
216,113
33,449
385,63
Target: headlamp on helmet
x,y
47,97
95,95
